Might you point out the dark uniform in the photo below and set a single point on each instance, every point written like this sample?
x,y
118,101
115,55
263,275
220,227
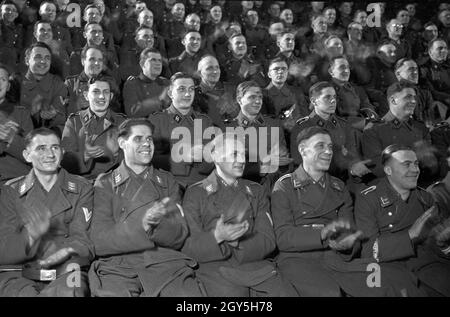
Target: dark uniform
x,y
257,40
229,270
236,71
51,92
84,126
277,101
437,78
185,63
11,42
172,30
352,100
440,137
403,48
133,262
378,136
441,194
385,220
186,173
138,91
12,163
70,204
345,152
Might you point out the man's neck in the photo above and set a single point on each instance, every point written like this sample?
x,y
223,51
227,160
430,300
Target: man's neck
x,y
323,115
250,117
404,193
314,174
100,114
277,85
136,168
150,76
238,57
208,84
190,53
38,76
183,111
47,180
226,178
287,53
398,116
436,61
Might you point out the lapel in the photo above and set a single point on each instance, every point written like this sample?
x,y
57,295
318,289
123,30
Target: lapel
x,y
178,118
64,186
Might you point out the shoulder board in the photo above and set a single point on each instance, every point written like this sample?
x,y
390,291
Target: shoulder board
x,y
441,124
13,181
80,179
368,190
301,120
121,114
20,107
103,177
284,177
337,184
132,78
73,114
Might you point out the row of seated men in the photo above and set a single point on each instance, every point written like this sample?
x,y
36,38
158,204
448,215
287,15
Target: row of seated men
x,y
172,214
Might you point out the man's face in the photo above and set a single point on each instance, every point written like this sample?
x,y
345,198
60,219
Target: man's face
x,y
274,10
44,153
92,15
346,8
248,5
138,148
145,38
404,102
287,42
216,13
409,72
320,25
94,34
145,18
252,17
340,70
9,13
152,67
355,32
39,61
317,5
317,152
99,95
335,47
44,33
330,16
430,33
93,64
230,158
439,51
403,170
251,101
48,12
100,4
178,11
287,16
326,101
238,45
193,22
278,73
388,53
403,17
275,29
395,29
444,17
182,93
210,70
411,9
4,83
192,42
361,18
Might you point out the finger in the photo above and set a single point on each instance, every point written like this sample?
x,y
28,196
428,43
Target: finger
x,y
365,162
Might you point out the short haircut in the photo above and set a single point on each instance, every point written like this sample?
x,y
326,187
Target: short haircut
x,y
189,30
334,59
91,23
279,36
429,23
143,27
203,58
34,45
39,131
243,87
308,133
317,88
87,48
36,24
439,39
236,34
278,59
9,3
180,75
47,2
92,6
331,37
398,87
145,52
102,78
402,61
6,68
387,153
125,127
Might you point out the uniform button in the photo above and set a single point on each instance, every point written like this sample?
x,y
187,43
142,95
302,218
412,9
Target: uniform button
x,y
390,214
66,236
304,212
390,226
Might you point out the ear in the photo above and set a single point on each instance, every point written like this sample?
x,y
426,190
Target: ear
x,y
82,62
330,71
111,96
85,94
169,92
121,142
387,170
26,155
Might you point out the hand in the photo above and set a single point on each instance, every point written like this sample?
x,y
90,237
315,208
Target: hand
x,y
49,113
36,105
37,224
360,169
92,151
442,234
8,130
57,258
334,227
346,243
112,143
154,214
229,232
417,228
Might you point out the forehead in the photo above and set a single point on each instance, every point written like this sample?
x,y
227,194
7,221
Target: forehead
x,y
145,14
47,6
327,91
278,64
99,85
94,52
44,26
231,145
208,61
409,64
334,41
216,8
178,6
403,12
44,139
94,27
145,32
183,82
405,155
318,138
439,44
406,91
239,38
287,35
3,73
387,47
93,10
152,55
40,50
193,35
10,6
140,129
253,91
193,17
286,11
340,61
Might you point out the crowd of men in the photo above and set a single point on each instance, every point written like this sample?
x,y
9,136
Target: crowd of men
x,y
224,148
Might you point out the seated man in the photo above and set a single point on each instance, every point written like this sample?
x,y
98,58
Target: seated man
x,y
41,92
11,34
230,228
441,191
138,228
146,93
171,127
44,222
90,135
187,61
396,217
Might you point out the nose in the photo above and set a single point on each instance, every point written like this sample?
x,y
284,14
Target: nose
x,y
329,151
414,168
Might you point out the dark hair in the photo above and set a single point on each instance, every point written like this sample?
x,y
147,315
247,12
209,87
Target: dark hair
x,y
398,87
308,133
34,45
9,3
143,27
387,153
87,48
145,52
317,88
279,36
180,75
125,127
103,78
244,86
35,26
334,59
278,59
402,61
439,39
39,131
91,6
87,25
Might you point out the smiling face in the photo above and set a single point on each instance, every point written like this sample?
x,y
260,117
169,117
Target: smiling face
x,y
403,170
229,158
145,38
99,96
138,148
209,70
287,16
94,34
92,15
39,61
409,72
145,18
403,103
178,11
93,63
216,13
43,32
193,22
47,12
317,152
330,15
278,73
251,101
286,43
192,42
182,93
9,13
325,102
340,70
152,67
438,51
238,45
44,153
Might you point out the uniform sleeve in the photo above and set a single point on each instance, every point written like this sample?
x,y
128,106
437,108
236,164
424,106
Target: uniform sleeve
x,y
382,247
372,148
111,237
132,105
80,224
14,248
58,102
17,145
201,243
261,242
289,236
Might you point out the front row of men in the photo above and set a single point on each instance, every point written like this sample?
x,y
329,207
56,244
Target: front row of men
x,y
221,238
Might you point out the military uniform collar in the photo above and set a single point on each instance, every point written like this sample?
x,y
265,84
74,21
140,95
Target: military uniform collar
x,y
390,117
64,181
322,122
387,194
123,173
185,55
301,179
45,82
245,122
204,88
213,183
339,84
86,116
178,117
274,90
146,79
83,77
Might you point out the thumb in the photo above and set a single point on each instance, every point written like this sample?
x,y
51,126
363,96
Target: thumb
x,y
365,162
220,221
165,200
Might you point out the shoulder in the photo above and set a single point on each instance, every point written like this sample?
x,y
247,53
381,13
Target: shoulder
x,y
164,177
283,183
119,116
132,80
78,183
158,116
71,79
337,184
103,179
303,121
15,183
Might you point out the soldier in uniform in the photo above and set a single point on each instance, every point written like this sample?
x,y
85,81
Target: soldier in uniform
x,y
187,61
45,216
398,127
146,93
15,123
172,29
138,227
11,34
176,152
441,190
236,211
397,218
394,30
345,147
256,35
41,92
90,135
